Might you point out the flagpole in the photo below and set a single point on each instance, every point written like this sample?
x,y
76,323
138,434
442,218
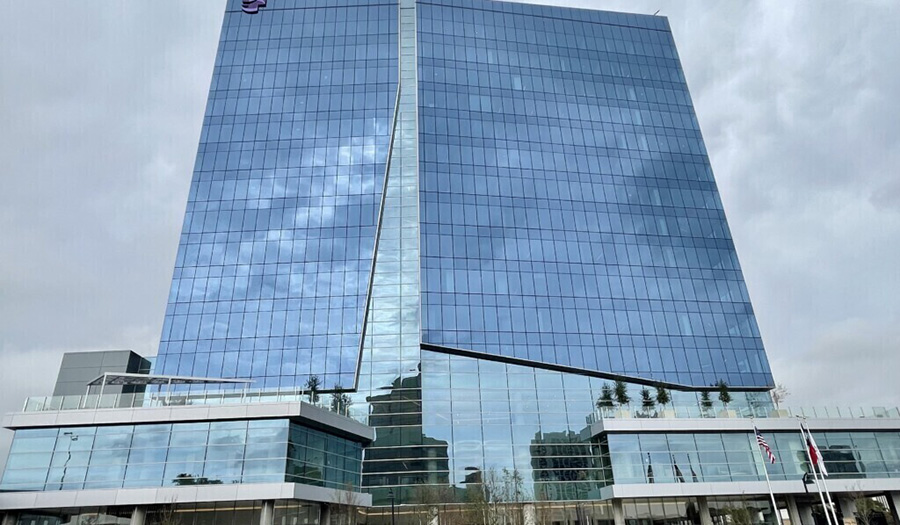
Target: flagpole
x,y
830,502
812,465
771,494
824,470
768,481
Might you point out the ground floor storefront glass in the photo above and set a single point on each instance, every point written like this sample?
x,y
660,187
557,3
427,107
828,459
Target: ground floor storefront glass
x,y
684,457
801,509
644,511
286,512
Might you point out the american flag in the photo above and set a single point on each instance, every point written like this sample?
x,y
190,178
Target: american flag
x,y
761,441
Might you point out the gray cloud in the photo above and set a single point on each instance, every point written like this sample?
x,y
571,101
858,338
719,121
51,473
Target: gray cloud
x,y
798,103
101,109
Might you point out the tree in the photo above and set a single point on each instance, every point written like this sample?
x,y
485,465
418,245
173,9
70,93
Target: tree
x,y
620,391
739,515
513,485
345,506
313,384
779,394
866,509
429,499
340,401
724,394
497,499
476,507
482,500
165,514
606,397
543,513
705,402
662,395
647,401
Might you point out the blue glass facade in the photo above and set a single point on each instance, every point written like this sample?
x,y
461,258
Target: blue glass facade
x,y
381,184
276,249
569,212
220,452
718,457
461,416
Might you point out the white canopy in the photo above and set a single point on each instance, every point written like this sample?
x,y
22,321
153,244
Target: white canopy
x,y
124,378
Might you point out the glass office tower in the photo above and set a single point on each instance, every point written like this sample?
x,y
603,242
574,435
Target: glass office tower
x,y
470,216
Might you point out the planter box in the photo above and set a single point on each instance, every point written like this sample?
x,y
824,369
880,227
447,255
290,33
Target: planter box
x,y
730,414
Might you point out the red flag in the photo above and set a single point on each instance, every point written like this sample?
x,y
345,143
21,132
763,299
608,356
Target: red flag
x,y
812,452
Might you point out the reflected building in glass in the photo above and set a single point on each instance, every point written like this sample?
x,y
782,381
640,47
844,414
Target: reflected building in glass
x,y
461,253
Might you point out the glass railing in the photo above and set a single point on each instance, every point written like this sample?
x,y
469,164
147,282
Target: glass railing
x,y
343,407
172,399
695,411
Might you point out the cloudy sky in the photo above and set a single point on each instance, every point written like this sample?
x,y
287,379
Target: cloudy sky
x,y
799,103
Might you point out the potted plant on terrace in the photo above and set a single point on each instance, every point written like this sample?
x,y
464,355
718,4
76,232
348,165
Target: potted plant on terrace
x,y
605,402
663,397
620,391
725,398
705,403
647,402
313,385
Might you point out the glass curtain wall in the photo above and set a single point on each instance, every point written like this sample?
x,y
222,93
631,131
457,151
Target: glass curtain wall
x,y
390,378
570,214
131,456
472,416
723,457
276,248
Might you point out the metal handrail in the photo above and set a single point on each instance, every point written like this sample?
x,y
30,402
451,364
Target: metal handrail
x,y
697,411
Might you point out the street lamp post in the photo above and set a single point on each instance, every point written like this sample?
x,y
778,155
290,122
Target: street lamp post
x,y
393,517
72,437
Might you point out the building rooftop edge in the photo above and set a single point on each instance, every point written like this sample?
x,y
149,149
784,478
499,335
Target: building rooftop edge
x,y
305,413
235,7
738,424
